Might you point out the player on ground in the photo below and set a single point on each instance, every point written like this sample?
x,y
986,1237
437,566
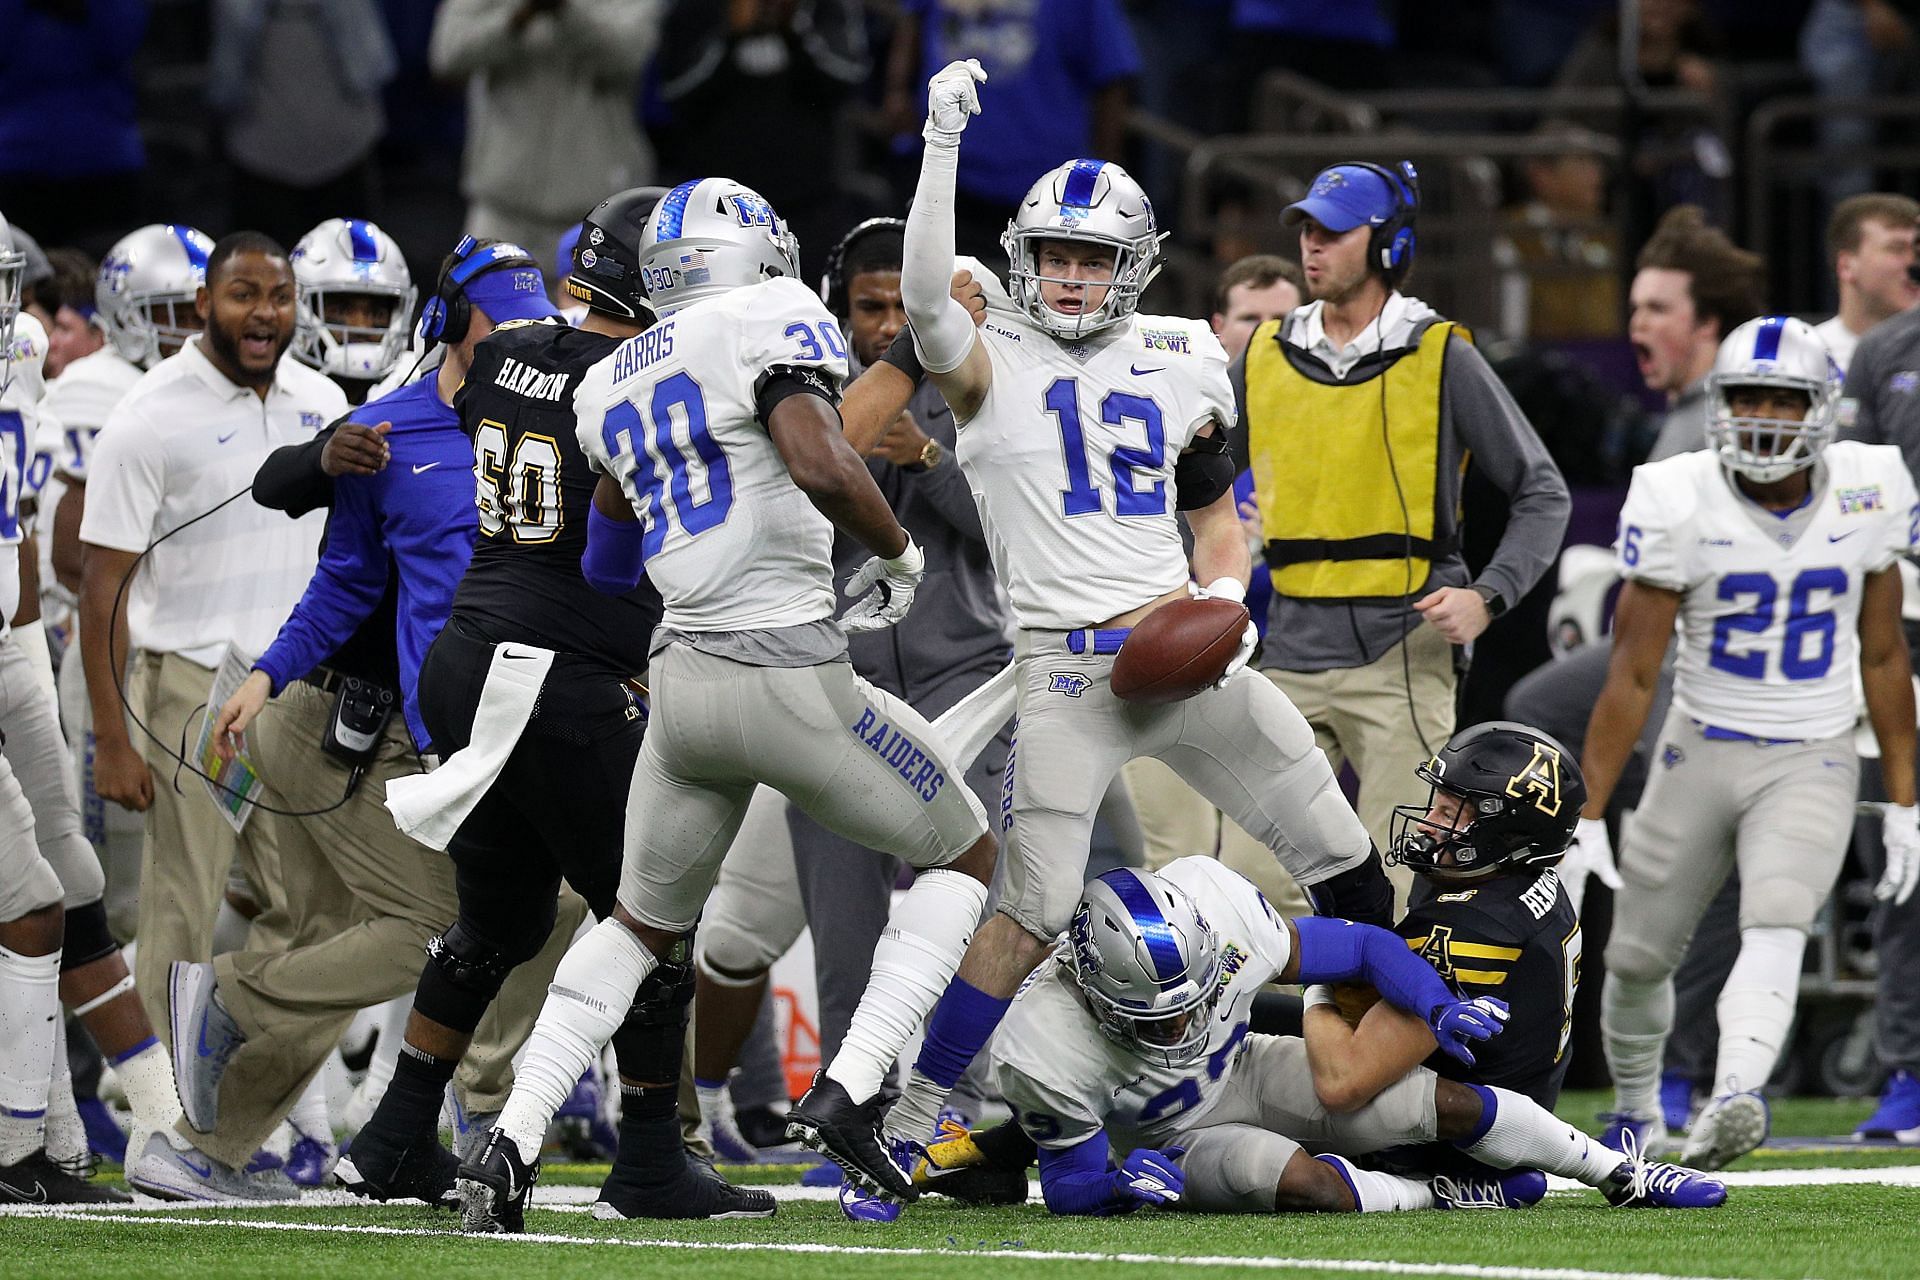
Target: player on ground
x,y
1084,428
726,474
355,303
1775,552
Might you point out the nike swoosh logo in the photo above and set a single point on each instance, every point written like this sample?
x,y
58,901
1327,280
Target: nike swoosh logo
x,y
205,1052
427,467
1138,372
511,656
1838,537
205,1171
933,1172
16,1193
230,435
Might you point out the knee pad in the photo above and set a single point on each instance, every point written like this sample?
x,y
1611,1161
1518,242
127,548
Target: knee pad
x,y
81,878
1641,960
730,951
86,937
1778,902
463,973
1250,1168
1362,894
650,1043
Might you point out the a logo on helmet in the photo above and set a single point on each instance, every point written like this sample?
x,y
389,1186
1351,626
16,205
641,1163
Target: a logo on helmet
x,y
751,212
1540,780
1086,956
115,270
595,236
588,258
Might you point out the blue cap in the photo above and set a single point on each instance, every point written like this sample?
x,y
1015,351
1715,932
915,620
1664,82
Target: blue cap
x,y
1344,197
563,252
510,293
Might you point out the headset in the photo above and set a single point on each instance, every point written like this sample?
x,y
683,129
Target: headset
x,y
1392,243
833,285
448,313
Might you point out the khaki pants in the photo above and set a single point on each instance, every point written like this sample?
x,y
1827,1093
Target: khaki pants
x,y
1361,714
360,901
1177,822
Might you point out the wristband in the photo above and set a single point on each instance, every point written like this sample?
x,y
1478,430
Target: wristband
x,y
901,355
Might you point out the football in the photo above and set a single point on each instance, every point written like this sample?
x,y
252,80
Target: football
x,y
1178,650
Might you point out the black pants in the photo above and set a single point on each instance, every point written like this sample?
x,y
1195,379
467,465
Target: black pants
x,y
559,805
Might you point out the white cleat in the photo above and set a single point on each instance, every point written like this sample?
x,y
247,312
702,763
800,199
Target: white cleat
x,y
1729,1127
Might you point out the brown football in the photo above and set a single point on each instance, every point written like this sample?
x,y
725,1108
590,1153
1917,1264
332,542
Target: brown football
x,y
1178,650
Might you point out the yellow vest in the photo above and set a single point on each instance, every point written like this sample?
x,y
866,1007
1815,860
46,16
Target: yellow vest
x,y
1336,507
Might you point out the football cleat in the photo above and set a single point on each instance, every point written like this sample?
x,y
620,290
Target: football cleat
x,y
1729,1127
38,1180
1514,1189
954,1165
1898,1115
1676,1101
861,1205
166,1173
848,1133
205,1038
376,1169
1647,1134
699,1193
1642,1183
494,1187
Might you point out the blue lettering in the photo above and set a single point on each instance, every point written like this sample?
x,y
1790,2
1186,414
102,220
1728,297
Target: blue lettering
x,y
878,737
932,788
897,750
915,758
926,771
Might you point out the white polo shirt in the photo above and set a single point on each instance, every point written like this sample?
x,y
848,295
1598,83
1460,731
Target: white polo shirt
x,y
184,440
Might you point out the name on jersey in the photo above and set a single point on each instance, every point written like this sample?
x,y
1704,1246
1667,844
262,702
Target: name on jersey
x,y
1542,894
526,381
898,750
637,352
1855,501
1174,340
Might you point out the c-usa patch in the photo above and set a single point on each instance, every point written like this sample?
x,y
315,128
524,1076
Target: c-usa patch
x,y
1071,683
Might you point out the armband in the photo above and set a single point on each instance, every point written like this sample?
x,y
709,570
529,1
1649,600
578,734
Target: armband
x,y
778,383
1200,478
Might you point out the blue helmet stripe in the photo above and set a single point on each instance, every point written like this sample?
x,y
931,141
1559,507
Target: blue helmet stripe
x,y
673,210
360,234
195,254
1078,191
1766,343
1162,947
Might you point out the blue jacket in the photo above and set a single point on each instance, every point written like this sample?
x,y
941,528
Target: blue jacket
x,y
420,511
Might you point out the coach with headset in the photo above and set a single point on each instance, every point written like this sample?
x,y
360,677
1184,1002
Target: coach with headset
x,y
1359,413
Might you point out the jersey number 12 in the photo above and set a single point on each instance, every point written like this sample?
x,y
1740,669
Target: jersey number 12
x,y
1080,497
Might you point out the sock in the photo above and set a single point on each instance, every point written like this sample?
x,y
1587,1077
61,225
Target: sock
x,y
66,1136
1756,1007
1379,1192
960,1027
1635,1018
29,1022
916,955
309,1115
1518,1133
716,1103
146,1077
592,991
650,1154
409,1109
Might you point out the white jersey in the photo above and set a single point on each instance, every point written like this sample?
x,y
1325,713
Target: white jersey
x,y
1071,460
81,397
1769,622
20,419
1066,1081
730,542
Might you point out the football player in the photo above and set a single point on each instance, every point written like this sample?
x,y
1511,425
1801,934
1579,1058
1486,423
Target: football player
x,y
1085,429
355,303
1774,552
726,473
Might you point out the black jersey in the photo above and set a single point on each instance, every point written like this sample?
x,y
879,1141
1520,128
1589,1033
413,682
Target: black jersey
x,y
1515,938
534,490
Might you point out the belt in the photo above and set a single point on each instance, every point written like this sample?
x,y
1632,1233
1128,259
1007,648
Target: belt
x,y
1714,733
1098,639
325,679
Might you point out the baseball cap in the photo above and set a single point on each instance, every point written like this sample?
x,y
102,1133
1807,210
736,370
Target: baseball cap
x,y
511,293
1342,198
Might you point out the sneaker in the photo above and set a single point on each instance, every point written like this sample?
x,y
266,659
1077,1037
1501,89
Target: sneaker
x,y
954,1165
377,1169
1729,1127
697,1193
1514,1189
1633,1133
848,1133
470,1129
1898,1115
862,1205
1676,1101
310,1161
105,1137
1641,1183
722,1132
38,1180
205,1038
169,1174
493,1188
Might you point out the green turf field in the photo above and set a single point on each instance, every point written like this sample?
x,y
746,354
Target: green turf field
x,y
1791,1214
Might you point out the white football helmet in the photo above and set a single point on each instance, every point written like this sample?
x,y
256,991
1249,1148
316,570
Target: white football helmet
x,y
145,290
1772,351
13,272
1084,200
1148,963
351,257
709,236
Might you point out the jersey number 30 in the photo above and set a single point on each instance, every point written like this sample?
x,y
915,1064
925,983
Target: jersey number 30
x,y
662,469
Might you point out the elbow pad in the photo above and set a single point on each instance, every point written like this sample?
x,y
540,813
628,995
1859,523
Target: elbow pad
x,y
616,556
1200,478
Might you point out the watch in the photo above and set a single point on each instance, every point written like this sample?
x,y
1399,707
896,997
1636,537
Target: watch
x,y
1495,605
930,455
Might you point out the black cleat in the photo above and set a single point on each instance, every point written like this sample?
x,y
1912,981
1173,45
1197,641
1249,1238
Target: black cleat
x,y
493,1188
848,1133
375,1169
38,1180
698,1192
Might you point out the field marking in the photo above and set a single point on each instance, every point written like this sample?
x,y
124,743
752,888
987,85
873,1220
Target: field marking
x,y
1356,1266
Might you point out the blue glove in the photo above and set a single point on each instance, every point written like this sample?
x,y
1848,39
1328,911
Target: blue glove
x,y
1147,1176
1459,1021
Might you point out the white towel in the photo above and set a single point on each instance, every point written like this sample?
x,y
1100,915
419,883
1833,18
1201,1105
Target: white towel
x,y
971,723
431,806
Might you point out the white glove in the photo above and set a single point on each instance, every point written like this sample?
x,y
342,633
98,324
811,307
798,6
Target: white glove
x,y
951,98
1900,833
1591,853
882,591
1230,588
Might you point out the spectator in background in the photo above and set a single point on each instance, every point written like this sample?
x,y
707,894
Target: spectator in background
x,y
1870,244
1254,290
1560,256
729,71
70,152
297,86
1692,287
1059,82
66,296
1850,48
552,90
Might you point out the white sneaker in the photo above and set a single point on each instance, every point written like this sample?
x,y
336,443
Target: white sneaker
x,y
165,1173
1729,1127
